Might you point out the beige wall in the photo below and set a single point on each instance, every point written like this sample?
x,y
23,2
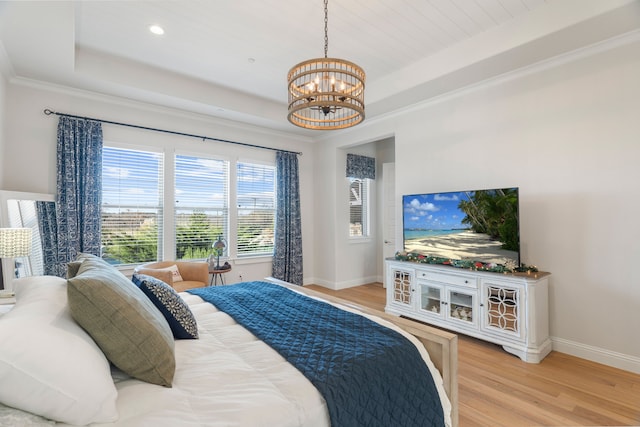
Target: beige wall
x,y
567,133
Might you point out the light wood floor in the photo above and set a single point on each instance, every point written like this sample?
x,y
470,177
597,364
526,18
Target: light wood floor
x,y
498,389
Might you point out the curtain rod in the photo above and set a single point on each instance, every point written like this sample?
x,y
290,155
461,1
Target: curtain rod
x,y
202,137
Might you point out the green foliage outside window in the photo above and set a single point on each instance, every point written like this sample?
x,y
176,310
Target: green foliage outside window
x,y
255,233
140,245
194,237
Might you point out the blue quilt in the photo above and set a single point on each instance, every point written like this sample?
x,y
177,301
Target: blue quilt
x,y
369,375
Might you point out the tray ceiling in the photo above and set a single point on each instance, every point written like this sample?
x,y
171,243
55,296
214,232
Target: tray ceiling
x,y
229,59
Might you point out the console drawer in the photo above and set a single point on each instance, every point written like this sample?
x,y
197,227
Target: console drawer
x,y
449,279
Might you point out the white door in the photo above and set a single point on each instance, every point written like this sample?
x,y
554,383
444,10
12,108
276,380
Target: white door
x,y
388,213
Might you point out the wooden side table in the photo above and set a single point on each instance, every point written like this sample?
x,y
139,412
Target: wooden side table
x,y
217,273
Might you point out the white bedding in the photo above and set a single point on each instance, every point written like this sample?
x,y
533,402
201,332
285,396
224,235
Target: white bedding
x,y
226,378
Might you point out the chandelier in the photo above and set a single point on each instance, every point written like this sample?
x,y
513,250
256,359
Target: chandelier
x,y
326,93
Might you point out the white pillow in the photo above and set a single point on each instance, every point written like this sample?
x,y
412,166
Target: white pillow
x,y
174,272
48,364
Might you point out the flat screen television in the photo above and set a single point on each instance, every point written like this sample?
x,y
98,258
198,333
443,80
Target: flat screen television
x,y
476,229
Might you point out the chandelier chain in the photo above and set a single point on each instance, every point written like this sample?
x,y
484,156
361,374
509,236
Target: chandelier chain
x,y
326,32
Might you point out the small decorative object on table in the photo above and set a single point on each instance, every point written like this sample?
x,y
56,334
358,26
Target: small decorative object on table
x,y
218,270
219,247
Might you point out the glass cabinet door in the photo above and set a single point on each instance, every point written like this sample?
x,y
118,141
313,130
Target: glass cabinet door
x,y
502,309
461,306
431,299
401,286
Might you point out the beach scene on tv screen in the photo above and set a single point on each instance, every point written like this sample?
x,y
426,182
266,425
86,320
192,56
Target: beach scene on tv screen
x,y
479,225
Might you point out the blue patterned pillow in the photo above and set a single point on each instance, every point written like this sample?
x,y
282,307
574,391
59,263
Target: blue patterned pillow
x,y
173,308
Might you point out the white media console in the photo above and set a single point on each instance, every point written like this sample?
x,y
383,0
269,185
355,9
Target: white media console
x,y
507,309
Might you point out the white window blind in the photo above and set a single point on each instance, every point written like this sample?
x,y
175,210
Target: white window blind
x,y
256,208
131,205
201,208
358,207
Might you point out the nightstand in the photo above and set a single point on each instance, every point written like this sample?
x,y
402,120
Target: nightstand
x,y
218,273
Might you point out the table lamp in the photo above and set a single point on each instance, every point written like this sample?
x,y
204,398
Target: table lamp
x,y
218,250
14,242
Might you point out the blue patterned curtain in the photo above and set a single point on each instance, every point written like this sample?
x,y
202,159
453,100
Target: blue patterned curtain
x,y
48,227
361,167
79,182
287,251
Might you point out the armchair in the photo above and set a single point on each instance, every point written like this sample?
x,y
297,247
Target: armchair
x,y
194,274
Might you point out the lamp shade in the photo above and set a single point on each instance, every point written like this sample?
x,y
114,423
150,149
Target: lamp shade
x,y
15,242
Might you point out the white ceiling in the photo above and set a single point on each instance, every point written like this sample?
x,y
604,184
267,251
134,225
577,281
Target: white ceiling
x,y
229,58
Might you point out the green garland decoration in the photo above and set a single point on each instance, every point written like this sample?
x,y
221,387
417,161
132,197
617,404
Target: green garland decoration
x,y
466,264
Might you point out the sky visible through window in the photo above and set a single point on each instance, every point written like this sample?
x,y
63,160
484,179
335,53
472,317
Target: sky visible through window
x,y
201,182
131,178
134,182
255,186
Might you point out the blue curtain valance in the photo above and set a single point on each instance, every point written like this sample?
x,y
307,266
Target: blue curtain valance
x,y
361,167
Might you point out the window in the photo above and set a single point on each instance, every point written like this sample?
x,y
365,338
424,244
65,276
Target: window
x,y
201,207
256,208
131,205
358,207
199,194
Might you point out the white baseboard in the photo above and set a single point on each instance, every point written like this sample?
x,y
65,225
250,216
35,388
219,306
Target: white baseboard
x,y
596,354
342,285
309,281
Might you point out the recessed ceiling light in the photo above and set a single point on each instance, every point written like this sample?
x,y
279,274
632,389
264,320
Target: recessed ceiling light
x,y
156,29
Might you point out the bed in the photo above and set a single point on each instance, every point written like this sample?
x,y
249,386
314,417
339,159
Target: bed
x,y
51,368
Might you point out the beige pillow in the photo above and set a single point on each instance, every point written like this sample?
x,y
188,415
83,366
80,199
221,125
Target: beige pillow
x,y
175,273
124,323
72,268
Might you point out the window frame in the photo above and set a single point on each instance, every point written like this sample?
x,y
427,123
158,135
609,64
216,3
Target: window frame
x,y
365,210
167,233
226,228
161,207
273,208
